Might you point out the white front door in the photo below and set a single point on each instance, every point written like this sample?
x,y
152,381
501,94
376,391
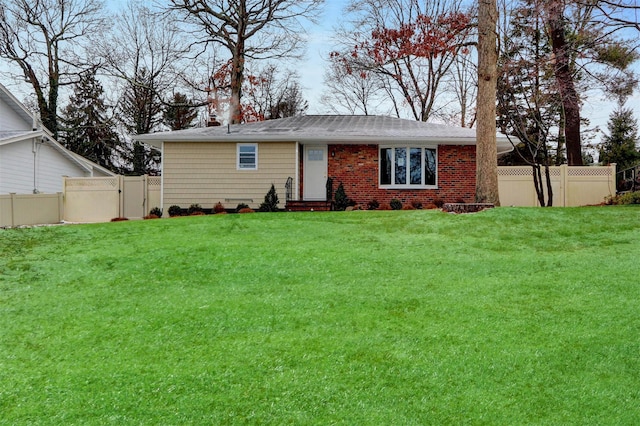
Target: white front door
x,y
315,172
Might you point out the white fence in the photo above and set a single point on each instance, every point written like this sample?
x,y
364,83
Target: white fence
x,y
571,185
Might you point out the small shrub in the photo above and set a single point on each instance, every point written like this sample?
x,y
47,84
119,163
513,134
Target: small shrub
x,y
431,206
219,208
270,203
241,206
628,198
438,202
246,210
395,204
408,207
119,219
195,210
384,206
373,204
156,211
175,211
416,204
341,201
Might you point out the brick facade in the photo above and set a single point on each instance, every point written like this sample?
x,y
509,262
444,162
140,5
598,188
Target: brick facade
x,y
356,167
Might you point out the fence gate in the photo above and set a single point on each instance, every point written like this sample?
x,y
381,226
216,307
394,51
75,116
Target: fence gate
x,y
102,199
133,197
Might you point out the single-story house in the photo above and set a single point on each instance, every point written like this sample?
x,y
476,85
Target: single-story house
x,y
31,160
374,157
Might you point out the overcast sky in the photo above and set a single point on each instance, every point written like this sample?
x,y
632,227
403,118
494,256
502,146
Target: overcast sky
x,y
311,68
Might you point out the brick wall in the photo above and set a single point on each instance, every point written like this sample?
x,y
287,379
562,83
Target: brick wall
x,y
356,166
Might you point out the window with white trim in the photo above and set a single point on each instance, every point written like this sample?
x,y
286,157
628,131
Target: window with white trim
x,y
247,156
408,167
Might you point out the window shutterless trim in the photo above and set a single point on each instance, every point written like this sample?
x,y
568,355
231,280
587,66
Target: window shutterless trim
x,y
389,169
247,156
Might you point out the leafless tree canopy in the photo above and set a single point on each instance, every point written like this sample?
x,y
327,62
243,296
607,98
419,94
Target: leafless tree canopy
x,y
412,82
46,39
248,29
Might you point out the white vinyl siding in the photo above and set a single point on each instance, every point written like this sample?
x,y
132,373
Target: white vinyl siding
x,y
17,168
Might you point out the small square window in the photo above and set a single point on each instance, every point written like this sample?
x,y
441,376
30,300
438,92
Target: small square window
x,y
248,156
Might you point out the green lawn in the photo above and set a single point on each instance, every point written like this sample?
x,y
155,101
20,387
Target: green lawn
x,y
510,316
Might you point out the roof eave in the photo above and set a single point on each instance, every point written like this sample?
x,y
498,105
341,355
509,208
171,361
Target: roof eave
x,y
21,137
157,139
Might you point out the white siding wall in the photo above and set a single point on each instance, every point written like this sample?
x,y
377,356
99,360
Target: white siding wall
x,y
16,168
10,120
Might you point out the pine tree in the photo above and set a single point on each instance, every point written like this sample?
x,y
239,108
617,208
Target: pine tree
x,y
180,113
140,112
620,146
140,107
271,201
86,128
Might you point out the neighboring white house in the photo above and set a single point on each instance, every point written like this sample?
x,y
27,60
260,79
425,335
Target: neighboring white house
x,y
31,160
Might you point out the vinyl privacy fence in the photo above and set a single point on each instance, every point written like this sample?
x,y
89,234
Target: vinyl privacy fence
x,y
31,209
83,200
102,199
572,186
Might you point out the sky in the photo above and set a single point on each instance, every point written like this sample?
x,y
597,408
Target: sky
x,y
319,45
595,108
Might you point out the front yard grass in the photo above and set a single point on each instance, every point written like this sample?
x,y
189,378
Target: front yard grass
x,y
509,316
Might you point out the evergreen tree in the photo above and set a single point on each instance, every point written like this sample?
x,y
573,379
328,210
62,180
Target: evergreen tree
x,y
143,160
140,113
180,113
86,128
140,107
620,146
271,201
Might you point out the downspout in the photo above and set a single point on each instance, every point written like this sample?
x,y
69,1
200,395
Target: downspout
x,y
34,150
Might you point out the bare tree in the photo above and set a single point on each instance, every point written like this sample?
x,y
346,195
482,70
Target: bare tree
x,y
147,52
410,46
354,92
463,84
486,150
47,40
275,95
622,13
247,29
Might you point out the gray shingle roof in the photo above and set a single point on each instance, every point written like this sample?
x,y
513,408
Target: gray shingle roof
x,y
328,129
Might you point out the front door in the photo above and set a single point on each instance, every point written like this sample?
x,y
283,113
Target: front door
x,y
315,172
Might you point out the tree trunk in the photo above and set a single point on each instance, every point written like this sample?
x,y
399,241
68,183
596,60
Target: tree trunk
x,y
564,80
486,151
237,77
537,183
547,176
